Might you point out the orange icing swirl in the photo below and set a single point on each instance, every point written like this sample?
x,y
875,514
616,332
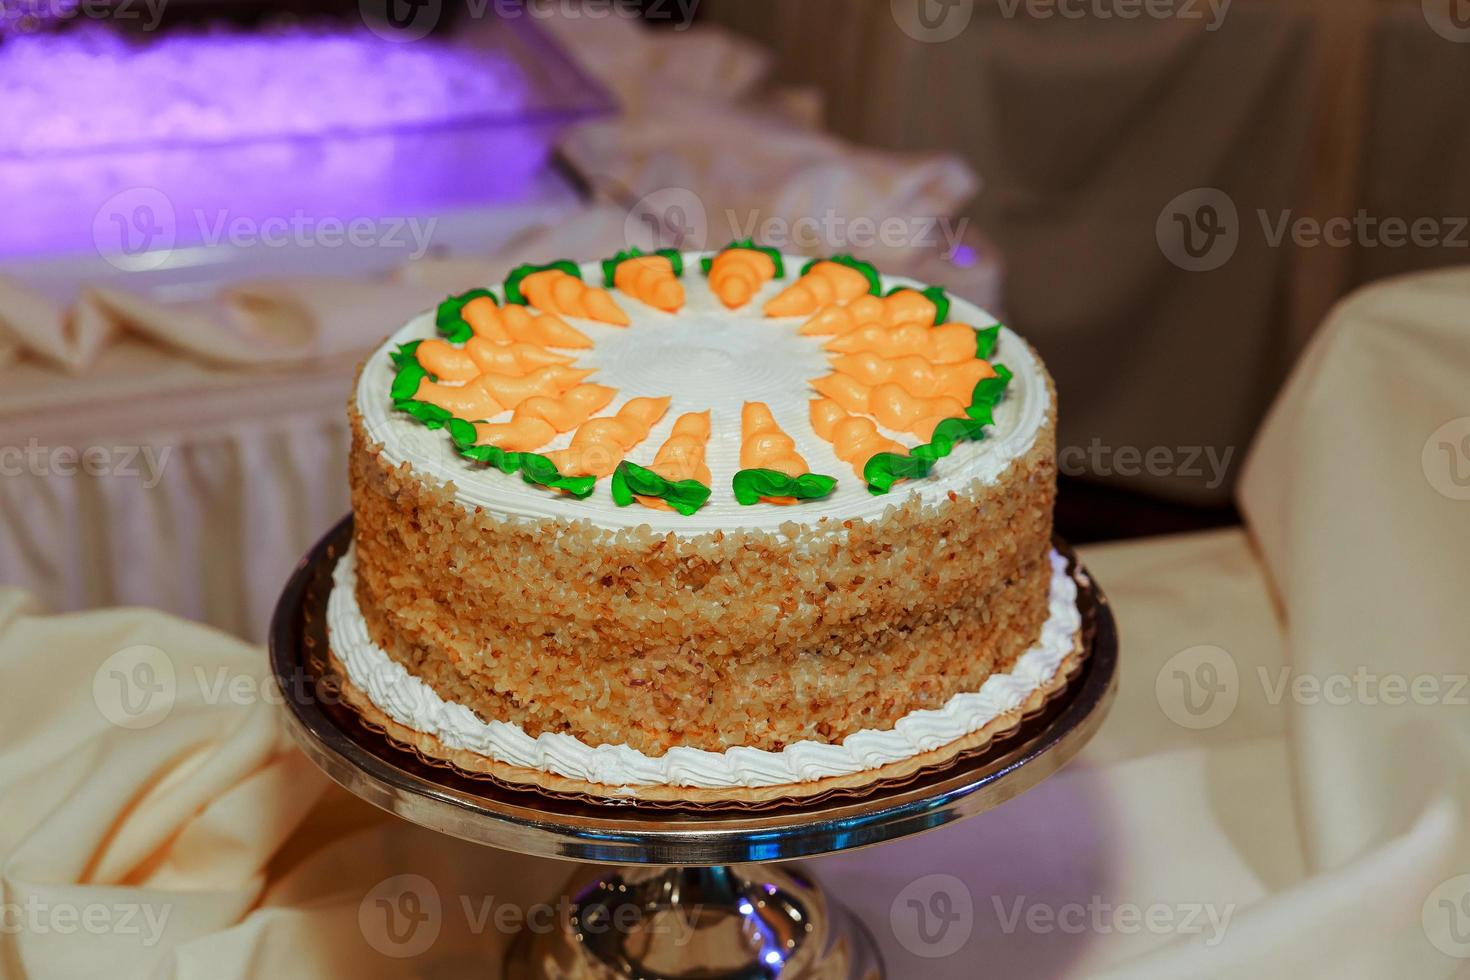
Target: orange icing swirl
x,y
600,444
651,279
825,283
854,439
553,291
736,273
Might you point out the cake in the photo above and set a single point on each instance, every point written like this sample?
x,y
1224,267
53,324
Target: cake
x,y
701,525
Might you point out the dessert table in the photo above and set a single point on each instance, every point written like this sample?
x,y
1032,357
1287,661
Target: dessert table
x,y
1279,789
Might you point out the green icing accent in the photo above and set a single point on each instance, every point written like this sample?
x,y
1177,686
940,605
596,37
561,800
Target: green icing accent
x,y
685,496
935,295
450,320
869,271
432,416
513,292
749,243
885,469
537,469
988,393
410,372
751,485
610,266
985,341
533,468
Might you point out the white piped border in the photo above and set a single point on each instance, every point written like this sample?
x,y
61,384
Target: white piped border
x,y
409,701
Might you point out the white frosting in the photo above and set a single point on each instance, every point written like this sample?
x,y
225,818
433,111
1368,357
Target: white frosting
x,y
706,357
411,702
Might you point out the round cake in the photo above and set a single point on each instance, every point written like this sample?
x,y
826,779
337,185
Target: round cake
x,y
726,522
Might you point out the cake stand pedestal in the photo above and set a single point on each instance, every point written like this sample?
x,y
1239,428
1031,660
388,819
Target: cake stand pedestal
x,y
693,891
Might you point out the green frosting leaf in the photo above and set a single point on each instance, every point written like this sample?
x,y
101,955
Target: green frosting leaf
x,y
749,243
629,479
942,441
869,271
513,292
432,416
935,295
985,341
610,266
751,485
885,469
537,469
450,319
406,380
988,393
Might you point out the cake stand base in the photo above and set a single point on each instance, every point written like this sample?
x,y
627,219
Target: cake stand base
x,y
730,922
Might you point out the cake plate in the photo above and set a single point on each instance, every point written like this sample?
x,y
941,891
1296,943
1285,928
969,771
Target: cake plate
x,y
694,892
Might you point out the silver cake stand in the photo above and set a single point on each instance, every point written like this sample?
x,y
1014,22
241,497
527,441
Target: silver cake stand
x,y
739,915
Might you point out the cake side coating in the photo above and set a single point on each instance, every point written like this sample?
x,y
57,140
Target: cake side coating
x,y
731,637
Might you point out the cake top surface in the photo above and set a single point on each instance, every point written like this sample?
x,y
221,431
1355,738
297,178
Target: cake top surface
x,y
902,406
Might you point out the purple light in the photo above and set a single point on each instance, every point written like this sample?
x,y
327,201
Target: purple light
x,y
24,16
227,124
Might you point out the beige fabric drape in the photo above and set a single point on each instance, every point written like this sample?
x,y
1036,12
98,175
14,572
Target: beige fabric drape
x,y
1235,821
